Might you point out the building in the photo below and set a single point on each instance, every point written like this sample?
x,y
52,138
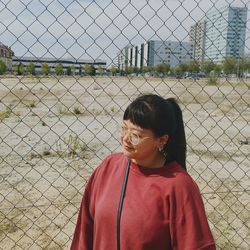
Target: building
x,y
78,65
6,55
122,58
225,33
197,36
170,52
153,52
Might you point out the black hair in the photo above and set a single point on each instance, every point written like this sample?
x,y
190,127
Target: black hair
x,y
162,116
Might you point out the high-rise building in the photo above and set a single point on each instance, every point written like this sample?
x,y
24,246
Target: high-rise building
x,y
123,57
170,52
197,37
152,53
225,33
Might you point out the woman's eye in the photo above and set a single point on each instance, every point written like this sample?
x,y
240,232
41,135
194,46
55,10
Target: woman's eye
x,y
124,129
135,135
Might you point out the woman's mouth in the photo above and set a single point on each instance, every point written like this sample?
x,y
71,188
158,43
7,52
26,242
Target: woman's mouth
x,y
126,147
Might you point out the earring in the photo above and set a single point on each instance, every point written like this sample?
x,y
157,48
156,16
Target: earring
x,y
161,147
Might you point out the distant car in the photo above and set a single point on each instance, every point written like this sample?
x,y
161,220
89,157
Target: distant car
x,y
193,78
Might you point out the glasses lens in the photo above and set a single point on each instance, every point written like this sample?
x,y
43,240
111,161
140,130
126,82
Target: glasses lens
x,y
134,139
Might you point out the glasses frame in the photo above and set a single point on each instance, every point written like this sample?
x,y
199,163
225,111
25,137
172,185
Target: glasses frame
x,y
134,138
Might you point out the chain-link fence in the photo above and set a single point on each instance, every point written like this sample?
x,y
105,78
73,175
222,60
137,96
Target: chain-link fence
x,y
70,68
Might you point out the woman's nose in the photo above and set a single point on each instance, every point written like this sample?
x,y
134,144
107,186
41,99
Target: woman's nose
x,y
126,137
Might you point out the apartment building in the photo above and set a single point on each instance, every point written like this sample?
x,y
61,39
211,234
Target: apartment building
x,y
154,52
225,33
197,36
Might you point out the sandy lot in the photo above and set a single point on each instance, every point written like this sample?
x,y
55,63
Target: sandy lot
x,y
55,131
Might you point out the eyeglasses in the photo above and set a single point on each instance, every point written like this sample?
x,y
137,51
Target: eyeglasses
x,y
133,137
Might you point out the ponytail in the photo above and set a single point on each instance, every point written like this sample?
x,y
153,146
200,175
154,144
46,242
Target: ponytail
x,y
175,149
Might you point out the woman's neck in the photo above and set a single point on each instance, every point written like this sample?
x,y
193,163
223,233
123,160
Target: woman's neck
x,y
154,161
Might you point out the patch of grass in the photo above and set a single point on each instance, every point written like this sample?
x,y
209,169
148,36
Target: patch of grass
x,y
5,114
46,151
113,109
32,104
74,145
71,146
62,110
34,155
77,110
43,123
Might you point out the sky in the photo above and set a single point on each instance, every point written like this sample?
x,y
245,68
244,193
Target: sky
x,y
87,29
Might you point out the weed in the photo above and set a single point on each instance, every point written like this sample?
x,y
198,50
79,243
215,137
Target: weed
x,y
74,145
77,111
32,104
43,123
5,114
46,151
34,155
62,110
113,110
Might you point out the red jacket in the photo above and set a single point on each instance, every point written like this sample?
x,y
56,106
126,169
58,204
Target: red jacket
x,y
162,210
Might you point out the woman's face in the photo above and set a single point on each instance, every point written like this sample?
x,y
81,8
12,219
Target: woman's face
x,y
139,144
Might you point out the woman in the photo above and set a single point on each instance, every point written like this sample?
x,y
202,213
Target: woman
x,y
143,198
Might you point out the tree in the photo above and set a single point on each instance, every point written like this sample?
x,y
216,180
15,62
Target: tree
x,y
136,70
230,66
45,69
146,69
19,69
89,70
31,68
247,64
177,71
182,68
70,70
59,69
114,70
129,70
100,70
207,67
193,66
217,69
243,65
3,67
162,68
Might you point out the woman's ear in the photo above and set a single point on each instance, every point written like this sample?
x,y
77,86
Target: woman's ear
x,y
163,139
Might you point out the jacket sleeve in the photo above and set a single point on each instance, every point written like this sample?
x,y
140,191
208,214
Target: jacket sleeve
x,y
189,227
83,235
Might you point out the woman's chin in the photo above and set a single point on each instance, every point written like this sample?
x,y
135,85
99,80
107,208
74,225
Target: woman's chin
x,y
128,151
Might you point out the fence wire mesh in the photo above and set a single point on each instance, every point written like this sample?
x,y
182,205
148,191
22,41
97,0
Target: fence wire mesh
x,y
70,68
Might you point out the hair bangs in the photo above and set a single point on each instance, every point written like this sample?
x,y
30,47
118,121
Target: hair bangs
x,y
140,114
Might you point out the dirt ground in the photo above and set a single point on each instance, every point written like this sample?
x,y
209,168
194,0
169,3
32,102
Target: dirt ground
x,y
55,131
